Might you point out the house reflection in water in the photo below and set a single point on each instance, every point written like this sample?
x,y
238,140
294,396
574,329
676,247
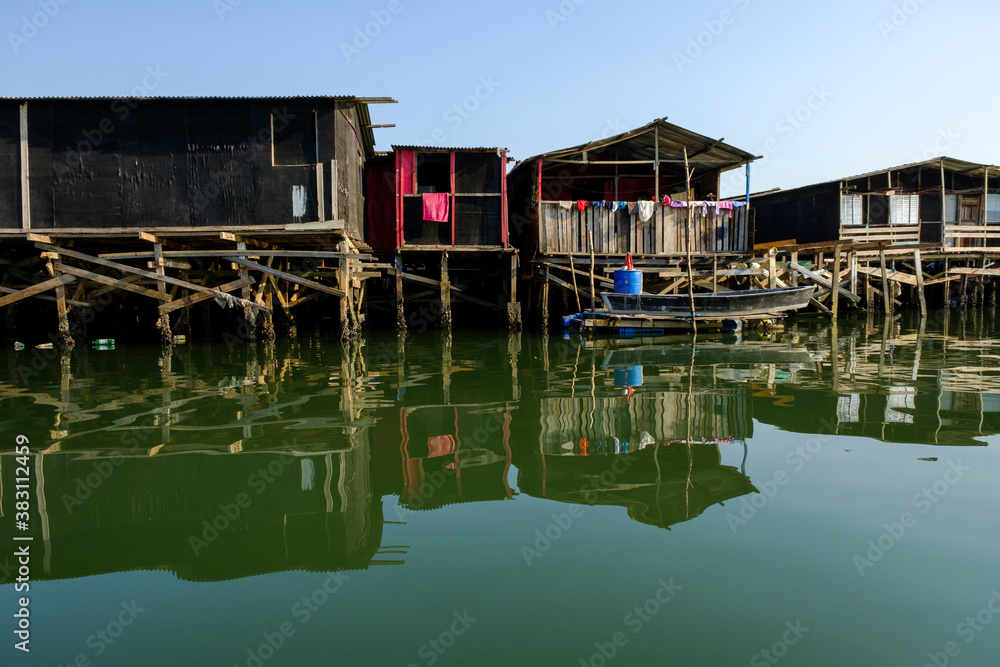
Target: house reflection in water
x,y
647,438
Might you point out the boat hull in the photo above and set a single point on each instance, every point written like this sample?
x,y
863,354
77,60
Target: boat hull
x,y
708,304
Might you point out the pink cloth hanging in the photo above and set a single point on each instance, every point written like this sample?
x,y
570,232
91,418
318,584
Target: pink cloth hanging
x,y
436,206
440,445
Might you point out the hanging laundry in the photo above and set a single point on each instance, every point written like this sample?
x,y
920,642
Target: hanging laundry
x,y
678,204
581,205
598,204
436,206
566,205
646,210
739,204
623,204
613,205
666,200
727,205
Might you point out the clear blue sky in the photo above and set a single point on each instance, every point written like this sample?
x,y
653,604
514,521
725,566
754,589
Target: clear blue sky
x,y
889,82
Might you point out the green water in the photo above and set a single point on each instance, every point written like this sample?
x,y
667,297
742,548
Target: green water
x,y
809,497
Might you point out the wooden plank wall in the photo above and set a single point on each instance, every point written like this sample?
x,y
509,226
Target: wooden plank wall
x,y
563,230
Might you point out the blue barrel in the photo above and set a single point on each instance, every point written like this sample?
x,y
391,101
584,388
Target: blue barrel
x,y
628,281
630,376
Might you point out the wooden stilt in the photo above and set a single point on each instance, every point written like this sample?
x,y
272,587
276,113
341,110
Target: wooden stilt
x,y
772,268
513,307
545,301
918,267
576,290
62,310
163,322
835,293
445,293
715,275
886,287
852,262
400,305
946,288
795,273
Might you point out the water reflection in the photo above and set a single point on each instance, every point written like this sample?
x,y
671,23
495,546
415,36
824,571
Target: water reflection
x,y
217,463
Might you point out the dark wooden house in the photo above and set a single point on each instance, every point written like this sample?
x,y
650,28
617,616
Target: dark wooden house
x,y
164,163
952,204
628,193
198,189
431,205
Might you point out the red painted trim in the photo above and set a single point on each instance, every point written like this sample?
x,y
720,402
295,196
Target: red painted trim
x,y
539,180
453,199
399,201
503,197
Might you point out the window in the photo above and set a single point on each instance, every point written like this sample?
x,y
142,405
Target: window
x,y
993,208
904,210
850,210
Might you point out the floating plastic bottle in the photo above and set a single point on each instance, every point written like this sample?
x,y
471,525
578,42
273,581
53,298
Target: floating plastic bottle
x,y
18,346
180,339
104,344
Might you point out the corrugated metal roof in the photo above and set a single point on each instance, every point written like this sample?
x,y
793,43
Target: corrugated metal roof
x,y
950,164
448,149
101,98
640,144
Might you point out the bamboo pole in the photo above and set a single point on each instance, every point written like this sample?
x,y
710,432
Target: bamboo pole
x,y
590,240
576,290
690,268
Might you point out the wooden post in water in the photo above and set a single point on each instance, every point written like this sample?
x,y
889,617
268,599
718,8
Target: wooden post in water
x,y
400,306
886,290
513,307
852,261
772,268
920,282
249,316
545,300
62,311
795,273
445,293
835,274
163,323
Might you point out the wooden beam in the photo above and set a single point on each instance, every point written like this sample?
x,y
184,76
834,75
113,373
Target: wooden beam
x,y
51,283
304,282
773,244
192,299
815,277
315,254
114,283
43,297
125,268
969,271
891,274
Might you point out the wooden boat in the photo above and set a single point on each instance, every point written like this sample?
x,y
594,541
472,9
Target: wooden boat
x,y
735,304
